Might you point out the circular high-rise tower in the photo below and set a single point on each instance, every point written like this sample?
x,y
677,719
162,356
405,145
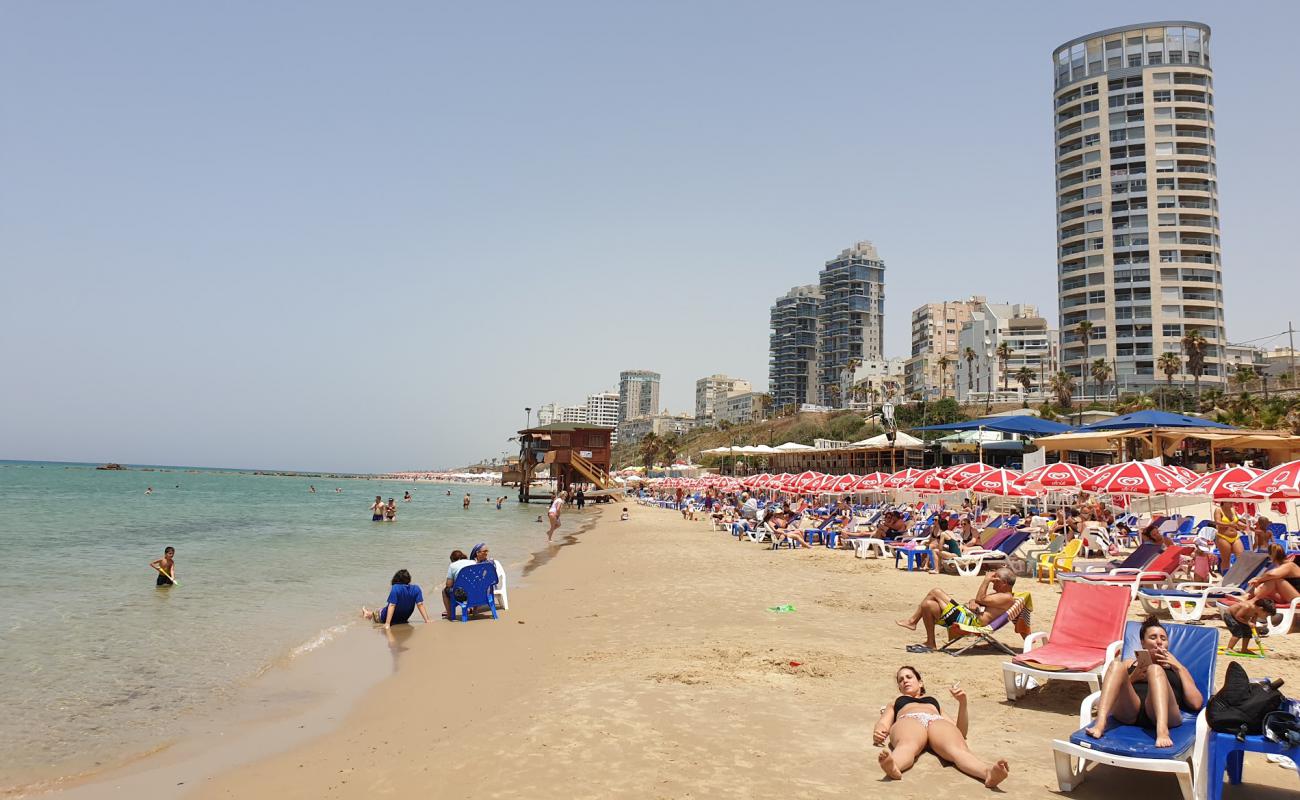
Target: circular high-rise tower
x,y
1137,206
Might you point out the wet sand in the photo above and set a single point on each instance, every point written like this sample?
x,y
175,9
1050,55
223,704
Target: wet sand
x,y
642,662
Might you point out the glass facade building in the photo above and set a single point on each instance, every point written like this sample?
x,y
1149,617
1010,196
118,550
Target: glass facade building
x,y
850,318
792,350
1137,207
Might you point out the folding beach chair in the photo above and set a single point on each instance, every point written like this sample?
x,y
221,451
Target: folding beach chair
x,y
1133,747
974,635
1186,601
1086,635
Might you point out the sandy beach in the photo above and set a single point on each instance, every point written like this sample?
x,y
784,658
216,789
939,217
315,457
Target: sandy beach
x,y
641,661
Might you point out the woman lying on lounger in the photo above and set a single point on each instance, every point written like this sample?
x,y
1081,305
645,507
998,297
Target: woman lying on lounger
x,y
1149,690
1281,583
915,722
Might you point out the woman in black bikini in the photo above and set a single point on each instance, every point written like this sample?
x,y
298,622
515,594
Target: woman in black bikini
x,y
1150,690
915,722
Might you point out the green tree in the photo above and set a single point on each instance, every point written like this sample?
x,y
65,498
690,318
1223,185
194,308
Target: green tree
x,y
944,363
1063,387
1004,357
1194,351
648,447
1101,373
1170,365
1025,377
969,355
1084,329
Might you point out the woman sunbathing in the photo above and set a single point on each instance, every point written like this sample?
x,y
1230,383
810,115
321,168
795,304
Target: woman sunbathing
x,y
783,527
1281,584
1149,690
915,722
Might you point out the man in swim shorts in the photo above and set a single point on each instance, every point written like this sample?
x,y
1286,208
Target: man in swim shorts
x,y
377,509
992,599
166,567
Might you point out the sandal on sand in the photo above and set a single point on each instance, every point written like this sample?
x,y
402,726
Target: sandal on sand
x,y
919,648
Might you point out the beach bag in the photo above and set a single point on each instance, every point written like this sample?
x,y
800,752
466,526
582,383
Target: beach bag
x,y
1283,726
1240,706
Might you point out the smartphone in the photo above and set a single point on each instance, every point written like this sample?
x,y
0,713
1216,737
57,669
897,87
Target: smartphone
x,y
1143,658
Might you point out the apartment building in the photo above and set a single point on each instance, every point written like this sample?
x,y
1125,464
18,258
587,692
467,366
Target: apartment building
x,y
792,348
1032,346
1138,254
850,317
638,394
709,391
935,328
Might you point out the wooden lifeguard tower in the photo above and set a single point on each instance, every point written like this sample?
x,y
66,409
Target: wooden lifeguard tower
x,y
577,455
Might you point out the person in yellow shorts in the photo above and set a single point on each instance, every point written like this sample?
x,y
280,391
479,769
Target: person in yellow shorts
x,y
1228,534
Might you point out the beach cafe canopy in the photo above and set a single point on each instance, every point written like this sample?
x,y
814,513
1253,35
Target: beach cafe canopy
x,y
900,440
1164,441
790,447
1151,419
1023,424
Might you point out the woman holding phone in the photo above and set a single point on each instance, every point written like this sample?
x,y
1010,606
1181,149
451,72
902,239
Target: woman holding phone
x,y
1151,690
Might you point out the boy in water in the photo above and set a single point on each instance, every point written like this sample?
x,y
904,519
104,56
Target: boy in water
x,y
166,567
1240,620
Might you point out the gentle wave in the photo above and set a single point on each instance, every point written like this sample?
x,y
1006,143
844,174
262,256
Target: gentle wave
x,y
324,637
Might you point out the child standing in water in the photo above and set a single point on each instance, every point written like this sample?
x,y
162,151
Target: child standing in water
x,y
166,567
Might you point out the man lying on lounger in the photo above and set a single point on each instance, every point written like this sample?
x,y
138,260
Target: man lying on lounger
x,y
992,599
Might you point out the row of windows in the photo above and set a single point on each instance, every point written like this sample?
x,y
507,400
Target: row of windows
x,y
1173,44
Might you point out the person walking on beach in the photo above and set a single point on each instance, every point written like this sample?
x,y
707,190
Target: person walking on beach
x,y
403,599
581,499
166,567
377,509
554,513
390,513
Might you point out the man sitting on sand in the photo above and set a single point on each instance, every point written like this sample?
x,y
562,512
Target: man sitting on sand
x,y
403,599
992,599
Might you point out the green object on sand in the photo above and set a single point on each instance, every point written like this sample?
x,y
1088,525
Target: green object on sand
x,y
783,609
1223,651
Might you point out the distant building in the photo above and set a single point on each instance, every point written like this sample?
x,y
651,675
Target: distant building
x,y
634,430
850,318
1032,344
546,414
602,409
740,407
638,394
573,414
792,350
1280,362
874,381
935,328
709,390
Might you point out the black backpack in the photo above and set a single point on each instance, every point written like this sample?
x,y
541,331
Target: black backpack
x,y
1240,706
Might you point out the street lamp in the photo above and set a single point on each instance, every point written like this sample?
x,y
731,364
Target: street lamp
x,y
528,418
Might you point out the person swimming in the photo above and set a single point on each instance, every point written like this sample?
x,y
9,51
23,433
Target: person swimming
x,y
166,567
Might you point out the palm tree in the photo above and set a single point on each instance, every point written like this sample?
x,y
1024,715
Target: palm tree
x,y
1004,356
1025,377
1063,388
1085,335
1169,364
1242,376
834,394
944,363
969,355
649,450
765,405
1194,351
1101,373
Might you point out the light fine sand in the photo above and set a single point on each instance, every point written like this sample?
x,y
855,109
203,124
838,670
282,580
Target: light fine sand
x,y
642,661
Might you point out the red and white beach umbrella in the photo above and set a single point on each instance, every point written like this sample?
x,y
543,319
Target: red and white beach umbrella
x,y
1279,483
822,484
960,474
871,483
931,480
1226,484
1061,475
1186,474
805,480
1001,482
1134,477
844,483
901,479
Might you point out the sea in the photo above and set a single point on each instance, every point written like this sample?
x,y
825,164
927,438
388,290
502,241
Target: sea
x,y
98,664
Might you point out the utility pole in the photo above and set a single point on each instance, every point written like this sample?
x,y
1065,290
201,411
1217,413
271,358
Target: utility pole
x,y
1290,338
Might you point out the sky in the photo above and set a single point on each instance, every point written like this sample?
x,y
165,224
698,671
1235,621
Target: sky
x,y
345,236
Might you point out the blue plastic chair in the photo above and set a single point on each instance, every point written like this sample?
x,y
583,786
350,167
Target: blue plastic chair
x,y
1223,753
1133,747
477,581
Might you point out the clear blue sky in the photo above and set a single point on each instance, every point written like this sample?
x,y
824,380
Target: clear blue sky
x,y
325,234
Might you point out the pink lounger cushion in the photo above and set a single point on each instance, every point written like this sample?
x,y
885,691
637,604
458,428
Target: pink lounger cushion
x,y
1063,657
1088,619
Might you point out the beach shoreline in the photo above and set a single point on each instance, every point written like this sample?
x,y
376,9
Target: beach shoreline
x,y
644,662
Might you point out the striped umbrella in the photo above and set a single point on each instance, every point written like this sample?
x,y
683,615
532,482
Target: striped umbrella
x,y
1226,484
1061,475
1279,483
1134,477
1001,482
960,474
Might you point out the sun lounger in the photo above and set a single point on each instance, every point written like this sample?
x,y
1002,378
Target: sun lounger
x,y
1159,571
975,635
970,563
1133,747
1086,635
1186,601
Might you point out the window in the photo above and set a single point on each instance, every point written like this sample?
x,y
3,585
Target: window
x,y
1161,96
1164,149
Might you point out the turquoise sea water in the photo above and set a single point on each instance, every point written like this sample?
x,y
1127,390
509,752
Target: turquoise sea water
x,y
97,663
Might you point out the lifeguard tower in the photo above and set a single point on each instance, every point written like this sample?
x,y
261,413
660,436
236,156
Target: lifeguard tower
x,y
577,455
